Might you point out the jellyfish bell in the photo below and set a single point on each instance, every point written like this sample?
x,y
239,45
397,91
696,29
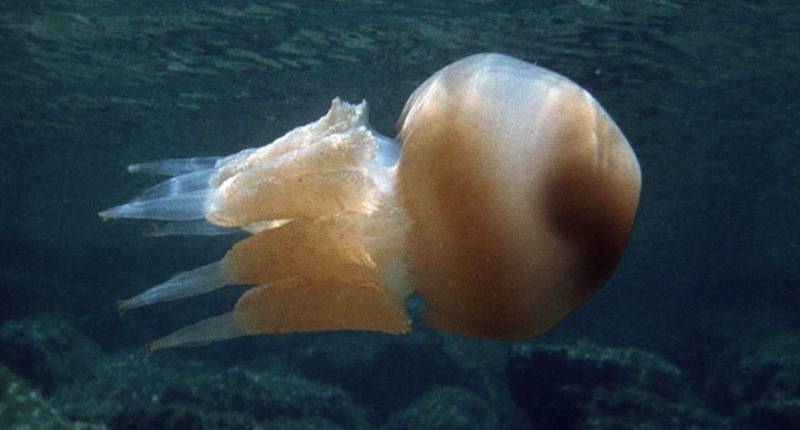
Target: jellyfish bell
x,y
521,193
505,202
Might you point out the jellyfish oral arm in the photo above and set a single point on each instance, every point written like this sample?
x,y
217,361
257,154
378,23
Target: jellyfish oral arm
x,y
327,237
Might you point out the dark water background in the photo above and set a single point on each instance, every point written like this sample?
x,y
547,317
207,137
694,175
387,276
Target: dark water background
x,y
707,93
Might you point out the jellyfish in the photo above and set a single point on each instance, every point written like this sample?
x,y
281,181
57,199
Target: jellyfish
x,y
504,202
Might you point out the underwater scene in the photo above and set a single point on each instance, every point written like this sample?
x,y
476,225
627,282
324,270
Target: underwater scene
x,y
483,214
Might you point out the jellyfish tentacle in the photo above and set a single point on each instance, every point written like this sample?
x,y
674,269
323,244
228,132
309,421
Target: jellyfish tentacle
x,y
212,329
181,207
194,282
175,166
177,185
199,227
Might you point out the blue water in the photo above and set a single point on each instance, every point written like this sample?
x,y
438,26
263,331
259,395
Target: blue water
x,y
706,92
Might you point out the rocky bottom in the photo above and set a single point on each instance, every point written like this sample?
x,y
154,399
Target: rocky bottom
x,y
53,377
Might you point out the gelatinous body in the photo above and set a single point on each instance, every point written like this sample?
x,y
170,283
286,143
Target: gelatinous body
x,y
506,200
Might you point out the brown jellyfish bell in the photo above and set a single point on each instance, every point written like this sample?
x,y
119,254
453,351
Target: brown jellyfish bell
x,y
505,202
